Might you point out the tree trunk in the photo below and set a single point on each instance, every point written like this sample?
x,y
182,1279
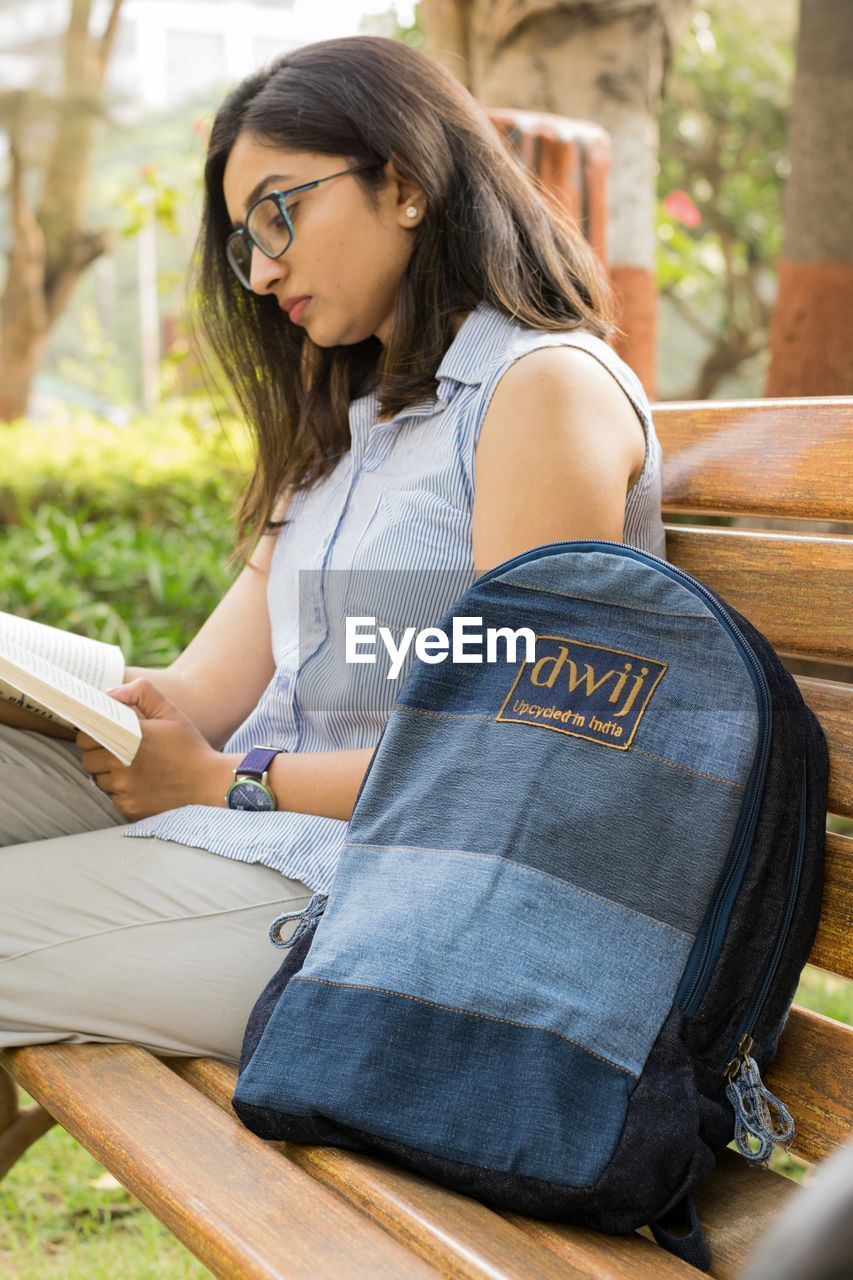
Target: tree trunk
x,y
599,60
810,349
23,311
50,249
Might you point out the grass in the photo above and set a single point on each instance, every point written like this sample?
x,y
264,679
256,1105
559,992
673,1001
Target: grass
x,y
827,994
63,1217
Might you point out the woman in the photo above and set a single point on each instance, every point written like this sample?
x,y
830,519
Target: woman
x,y
417,338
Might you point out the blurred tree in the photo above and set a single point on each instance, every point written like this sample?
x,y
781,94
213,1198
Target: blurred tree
x,y
600,60
722,164
50,247
812,320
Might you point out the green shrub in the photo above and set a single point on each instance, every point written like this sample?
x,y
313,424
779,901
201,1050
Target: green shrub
x,y
148,471
96,521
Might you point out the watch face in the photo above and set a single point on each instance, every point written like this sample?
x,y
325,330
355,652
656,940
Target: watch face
x,y
247,794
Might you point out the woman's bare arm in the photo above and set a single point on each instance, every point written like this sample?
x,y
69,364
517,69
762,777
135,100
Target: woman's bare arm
x,y
216,682
220,676
559,448
322,782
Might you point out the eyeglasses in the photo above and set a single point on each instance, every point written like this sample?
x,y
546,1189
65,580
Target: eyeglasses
x,y
268,227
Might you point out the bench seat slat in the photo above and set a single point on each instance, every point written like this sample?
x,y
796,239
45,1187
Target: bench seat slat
x,y
813,1075
831,950
832,703
456,1232
453,1230
606,1257
788,458
736,1205
747,568
245,1212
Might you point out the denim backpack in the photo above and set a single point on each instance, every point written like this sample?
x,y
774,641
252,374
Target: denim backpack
x,y
571,913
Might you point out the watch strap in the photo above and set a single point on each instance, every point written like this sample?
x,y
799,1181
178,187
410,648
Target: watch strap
x,y
256,762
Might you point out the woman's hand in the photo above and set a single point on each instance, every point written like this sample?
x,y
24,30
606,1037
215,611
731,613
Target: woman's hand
x,y
173,766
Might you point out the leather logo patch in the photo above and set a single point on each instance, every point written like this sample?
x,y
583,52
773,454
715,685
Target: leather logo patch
x,y
585,690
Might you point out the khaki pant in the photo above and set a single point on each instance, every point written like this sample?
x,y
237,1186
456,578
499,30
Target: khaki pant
x,y
109,938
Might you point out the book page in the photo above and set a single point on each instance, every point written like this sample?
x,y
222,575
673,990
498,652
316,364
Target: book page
x,y
69,698
92,661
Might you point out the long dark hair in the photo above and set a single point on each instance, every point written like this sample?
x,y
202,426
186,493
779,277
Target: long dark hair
x,y
490,232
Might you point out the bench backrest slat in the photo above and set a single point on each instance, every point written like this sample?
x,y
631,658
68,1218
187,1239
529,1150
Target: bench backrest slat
x,y
775,580
811,1074
788,458
832,703
832,950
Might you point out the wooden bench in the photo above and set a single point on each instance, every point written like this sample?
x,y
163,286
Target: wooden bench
x,y
165,1129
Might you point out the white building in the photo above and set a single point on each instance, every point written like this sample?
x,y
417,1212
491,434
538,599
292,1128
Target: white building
x,y
169,50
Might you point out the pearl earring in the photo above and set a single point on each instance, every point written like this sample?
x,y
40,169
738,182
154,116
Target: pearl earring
x,y
411,212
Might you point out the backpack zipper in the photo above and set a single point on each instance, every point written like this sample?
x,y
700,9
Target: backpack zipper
x,y
758,999
709,940
750,1098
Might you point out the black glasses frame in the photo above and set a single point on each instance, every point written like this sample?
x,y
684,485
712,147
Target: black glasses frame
x,y
279,196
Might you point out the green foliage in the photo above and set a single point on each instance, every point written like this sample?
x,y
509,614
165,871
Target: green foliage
x,y
826,993
155,196
723,139
143,171
99,518
117,580
153,164
97,370
723,129
150,470
409,29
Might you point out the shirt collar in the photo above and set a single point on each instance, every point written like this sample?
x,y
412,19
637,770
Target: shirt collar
x,y
480,333
463,364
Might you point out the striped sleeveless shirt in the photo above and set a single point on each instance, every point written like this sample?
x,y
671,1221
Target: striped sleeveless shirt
x,y
399,499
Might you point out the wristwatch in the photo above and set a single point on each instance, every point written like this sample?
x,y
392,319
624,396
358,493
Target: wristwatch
x,y
249,789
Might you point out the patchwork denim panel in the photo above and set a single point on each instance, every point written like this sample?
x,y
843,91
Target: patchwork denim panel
x,y
702,716
625,831
492,776
503,940
489,1093
608,579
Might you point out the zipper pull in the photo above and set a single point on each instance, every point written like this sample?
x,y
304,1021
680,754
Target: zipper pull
x,y
308,918
753,1105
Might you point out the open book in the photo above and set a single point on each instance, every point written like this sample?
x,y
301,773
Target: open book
x,y
61,676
